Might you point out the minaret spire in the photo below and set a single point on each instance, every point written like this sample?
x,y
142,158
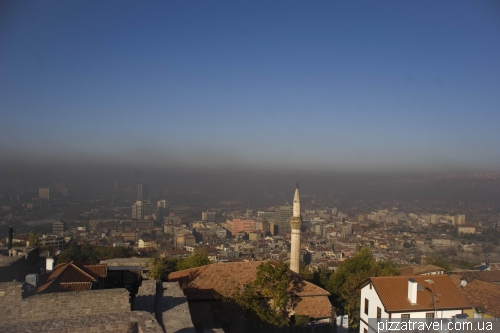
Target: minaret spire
x,y
296,203
296,225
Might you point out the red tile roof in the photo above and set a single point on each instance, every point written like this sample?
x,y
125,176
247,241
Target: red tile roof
x,y
393,292
75,286
487,276
207,282
419,270
480,294
98,270
63,273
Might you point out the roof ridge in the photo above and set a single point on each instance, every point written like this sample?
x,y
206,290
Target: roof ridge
x,y
48,283
410,276
81,270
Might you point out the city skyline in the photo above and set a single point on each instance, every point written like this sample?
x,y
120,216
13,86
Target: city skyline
x,y
348,87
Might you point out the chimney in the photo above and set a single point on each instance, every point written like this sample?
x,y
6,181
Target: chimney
x,y
412,291
31,282
49,265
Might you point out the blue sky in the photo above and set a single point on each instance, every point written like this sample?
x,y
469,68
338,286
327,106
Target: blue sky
x,y
330,85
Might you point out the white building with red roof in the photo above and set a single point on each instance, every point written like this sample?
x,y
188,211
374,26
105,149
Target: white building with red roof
x,y
407,297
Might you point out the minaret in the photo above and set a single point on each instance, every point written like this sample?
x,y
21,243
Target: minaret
x,y
296,225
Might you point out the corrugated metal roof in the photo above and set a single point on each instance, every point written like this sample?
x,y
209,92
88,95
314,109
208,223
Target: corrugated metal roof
x,y
124,268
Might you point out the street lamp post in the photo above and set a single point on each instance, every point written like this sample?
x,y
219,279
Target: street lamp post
x,y
433,296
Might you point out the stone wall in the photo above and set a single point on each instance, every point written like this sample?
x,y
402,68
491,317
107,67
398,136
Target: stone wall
x,y
145,298
125,322
104,311
172,310
167,303
59,305
17,267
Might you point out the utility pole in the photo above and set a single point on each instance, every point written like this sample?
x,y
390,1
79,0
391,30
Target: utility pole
x,y
433,296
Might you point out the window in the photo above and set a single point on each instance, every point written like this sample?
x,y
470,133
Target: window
x,y
365,330
379,312
429,315
405,316
366,306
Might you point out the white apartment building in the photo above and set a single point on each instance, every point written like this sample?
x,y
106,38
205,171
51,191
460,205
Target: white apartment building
x,y
208,216
142,208
460,219
266,215
44,193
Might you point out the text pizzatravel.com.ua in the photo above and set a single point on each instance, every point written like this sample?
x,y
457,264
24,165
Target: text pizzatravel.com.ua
x,y
387,326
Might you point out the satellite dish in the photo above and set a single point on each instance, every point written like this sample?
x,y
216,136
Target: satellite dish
x,y
463,283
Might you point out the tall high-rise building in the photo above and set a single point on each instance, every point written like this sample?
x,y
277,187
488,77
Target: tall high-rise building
x,y
282,218
142,192
43,193
460,219
208,216
58,226
161,210
295,225
141,209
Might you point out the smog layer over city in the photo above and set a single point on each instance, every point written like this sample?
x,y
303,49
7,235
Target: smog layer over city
x,y
263,164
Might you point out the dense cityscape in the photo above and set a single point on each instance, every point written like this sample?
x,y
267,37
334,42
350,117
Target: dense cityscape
x,y
141,233
249,166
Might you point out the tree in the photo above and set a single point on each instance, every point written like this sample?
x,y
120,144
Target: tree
x,y
350,274
33,238
488,248
199,258
319,276
161,267
306,272
91,254
267,301
440,263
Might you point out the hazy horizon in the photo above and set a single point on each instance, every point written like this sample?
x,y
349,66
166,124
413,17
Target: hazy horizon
x,y
331,87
